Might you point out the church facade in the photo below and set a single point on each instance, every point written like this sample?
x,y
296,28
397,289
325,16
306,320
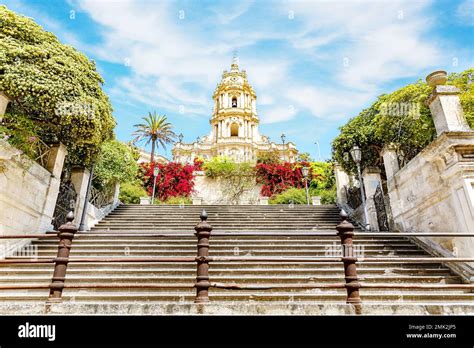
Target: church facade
x,y
234,126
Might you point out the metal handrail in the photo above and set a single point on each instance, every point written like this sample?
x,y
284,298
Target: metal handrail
x,y
247,234
203,231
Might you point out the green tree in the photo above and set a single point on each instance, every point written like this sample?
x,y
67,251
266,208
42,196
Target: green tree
x,y
155,129
303,157
400,117
130,192
55,86
116,163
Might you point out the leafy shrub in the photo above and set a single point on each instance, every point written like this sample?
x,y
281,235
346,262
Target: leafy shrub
x,y
234,178
292,195
176,200
116,163
224,167
328,196
21,133
130,193
267,157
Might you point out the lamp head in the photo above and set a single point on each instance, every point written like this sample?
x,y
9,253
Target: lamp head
x,y
356,154
305,171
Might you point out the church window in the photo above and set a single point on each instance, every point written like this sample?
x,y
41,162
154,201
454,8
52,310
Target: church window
x,y
234,102
234,130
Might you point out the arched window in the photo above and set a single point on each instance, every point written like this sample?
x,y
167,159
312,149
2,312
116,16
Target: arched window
x,y
234,130
234,102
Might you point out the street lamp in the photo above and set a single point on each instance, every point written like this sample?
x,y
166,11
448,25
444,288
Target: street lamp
x,y
180,138
319,151
156,170
305,171
356,154
283,137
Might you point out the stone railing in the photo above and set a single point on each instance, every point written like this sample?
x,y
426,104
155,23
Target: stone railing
x,y
42,153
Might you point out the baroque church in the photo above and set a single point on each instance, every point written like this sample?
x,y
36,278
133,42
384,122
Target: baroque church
x,y
234,126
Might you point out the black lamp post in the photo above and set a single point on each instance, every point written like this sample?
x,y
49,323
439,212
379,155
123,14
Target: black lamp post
x,y
156,170
305,171
283,137
356,154
180,138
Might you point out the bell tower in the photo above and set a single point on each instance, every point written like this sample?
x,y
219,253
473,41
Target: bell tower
x,y
235,112
234,125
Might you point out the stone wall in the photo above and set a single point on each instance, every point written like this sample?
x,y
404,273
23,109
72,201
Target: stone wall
x,y
434,192
28,193
215,191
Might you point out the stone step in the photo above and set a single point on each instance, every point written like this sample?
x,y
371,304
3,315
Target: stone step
x,y
182,295
86,272
191,239
226,246
231,265
219,243
240,308
78,252
261,279
176,227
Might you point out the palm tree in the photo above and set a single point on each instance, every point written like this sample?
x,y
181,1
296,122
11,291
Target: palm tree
x,y
156,128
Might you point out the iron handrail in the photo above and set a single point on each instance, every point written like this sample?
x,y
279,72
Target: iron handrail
x,y
246,234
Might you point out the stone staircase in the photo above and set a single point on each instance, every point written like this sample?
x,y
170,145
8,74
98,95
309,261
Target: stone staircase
x,y
291,232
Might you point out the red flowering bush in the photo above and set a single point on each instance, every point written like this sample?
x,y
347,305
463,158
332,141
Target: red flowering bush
x,y
198,163
278,177
173,179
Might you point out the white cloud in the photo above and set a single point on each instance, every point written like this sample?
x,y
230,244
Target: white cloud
x,y
381,41
465,12
229,11
327,103
375,41
277,114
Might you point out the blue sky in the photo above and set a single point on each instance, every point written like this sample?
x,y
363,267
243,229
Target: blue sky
x,y
313,64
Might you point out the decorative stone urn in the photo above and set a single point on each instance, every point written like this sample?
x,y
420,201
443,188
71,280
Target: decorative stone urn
x,y
197,200
144,200
437,78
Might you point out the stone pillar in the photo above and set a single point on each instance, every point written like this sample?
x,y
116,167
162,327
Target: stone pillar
x,y
390,160
4,100
342,180
80,179
116,193
55,166
371,178
445,105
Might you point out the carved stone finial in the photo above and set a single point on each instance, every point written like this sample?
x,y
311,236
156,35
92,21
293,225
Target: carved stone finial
x,y
70,216
203,215
343,215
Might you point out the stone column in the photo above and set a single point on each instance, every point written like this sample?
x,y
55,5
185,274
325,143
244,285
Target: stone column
x,y
371,178
342,180
55,166
445,105
80,179
116,193
390,160
4,100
